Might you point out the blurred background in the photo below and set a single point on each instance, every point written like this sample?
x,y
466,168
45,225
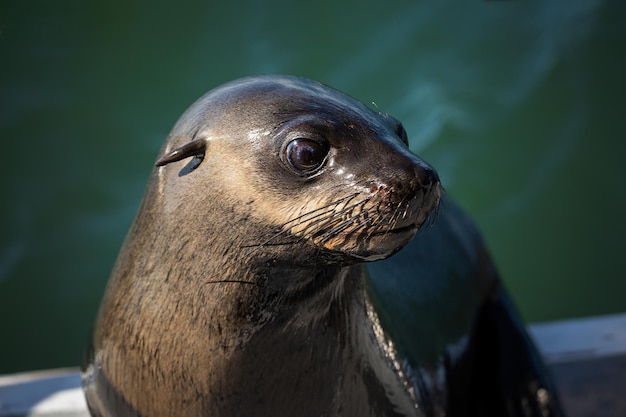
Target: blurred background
x,y
518,104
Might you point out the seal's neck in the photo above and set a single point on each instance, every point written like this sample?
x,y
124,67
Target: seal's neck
x,y
230,337
320,353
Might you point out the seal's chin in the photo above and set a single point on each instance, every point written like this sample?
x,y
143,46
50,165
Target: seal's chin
x,y
376,246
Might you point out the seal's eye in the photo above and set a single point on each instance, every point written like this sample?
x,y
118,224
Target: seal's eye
x,y
306,155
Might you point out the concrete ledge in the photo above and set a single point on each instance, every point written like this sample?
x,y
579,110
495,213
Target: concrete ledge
x,y
586,356
581,339
51,393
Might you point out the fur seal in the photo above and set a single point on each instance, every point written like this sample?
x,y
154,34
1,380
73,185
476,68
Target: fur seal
x,y
242,289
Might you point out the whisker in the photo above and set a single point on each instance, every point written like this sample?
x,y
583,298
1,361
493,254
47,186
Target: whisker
x,y
327,206
433,216
269,241
340,227
310,219
344,225
237,281
394,217
335,215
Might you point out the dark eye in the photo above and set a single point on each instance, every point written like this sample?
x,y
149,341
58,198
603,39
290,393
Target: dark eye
x,y
306,155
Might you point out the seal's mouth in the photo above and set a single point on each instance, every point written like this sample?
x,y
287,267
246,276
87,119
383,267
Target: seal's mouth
x,y
375,246
362,226
399,230
382,238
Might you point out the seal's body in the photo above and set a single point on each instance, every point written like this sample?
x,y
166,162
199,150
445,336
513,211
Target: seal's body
x,y
241,288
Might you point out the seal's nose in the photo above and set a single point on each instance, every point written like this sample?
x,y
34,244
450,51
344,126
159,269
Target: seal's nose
x,y
425,174
409,170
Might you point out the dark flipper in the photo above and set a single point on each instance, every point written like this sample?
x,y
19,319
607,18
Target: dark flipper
x,y
501,373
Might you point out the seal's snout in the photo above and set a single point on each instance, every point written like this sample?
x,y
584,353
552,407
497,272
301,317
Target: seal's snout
x,y
426,175
428,189
413,177
415,189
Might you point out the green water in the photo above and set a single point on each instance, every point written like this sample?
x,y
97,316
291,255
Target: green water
x,y
519,105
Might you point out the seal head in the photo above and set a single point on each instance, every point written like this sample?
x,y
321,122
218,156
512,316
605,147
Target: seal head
x,y
321,167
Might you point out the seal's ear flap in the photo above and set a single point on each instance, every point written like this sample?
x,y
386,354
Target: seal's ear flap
x,y
196,148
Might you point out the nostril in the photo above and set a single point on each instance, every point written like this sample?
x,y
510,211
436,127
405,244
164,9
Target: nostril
x,y
426,175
